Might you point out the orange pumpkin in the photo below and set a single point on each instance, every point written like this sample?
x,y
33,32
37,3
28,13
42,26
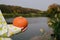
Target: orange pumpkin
x,y
20,22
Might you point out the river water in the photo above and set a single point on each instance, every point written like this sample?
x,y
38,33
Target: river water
x,y
34,26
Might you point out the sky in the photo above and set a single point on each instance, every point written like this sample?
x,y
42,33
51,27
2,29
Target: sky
x,y
36,4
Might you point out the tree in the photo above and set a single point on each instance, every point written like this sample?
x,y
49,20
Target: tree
x,y
54,20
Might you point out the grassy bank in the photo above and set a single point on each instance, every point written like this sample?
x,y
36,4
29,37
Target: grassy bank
x,y
12,15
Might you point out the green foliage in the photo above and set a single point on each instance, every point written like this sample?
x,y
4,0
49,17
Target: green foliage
x,y
13,11
54,20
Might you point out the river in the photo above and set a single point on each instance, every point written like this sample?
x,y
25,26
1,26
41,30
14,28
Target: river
x,y
34,26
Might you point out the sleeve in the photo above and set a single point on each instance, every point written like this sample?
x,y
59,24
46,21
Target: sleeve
x,y
7,30
1,38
